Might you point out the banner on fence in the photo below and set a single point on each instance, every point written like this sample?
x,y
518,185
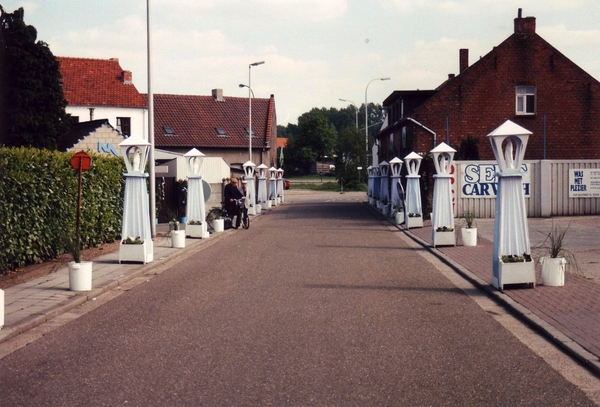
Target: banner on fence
x,y
584,183
480,180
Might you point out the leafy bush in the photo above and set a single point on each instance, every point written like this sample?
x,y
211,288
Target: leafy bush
x,y
39,204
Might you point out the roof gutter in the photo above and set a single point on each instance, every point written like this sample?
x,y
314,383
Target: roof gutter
x,y
424,128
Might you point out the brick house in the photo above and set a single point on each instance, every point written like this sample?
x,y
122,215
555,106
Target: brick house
x,y
101,89
524,79
217,126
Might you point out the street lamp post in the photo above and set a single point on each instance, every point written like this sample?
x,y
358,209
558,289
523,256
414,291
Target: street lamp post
x,y
366,112
250,96
355,109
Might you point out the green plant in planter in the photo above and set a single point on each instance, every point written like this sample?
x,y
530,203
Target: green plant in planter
x,y
469,217
174,224
132,240
553,245
515,258
214,213
73,247
414,215
194,222
445,229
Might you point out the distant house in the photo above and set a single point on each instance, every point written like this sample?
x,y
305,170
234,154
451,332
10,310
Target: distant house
x,y
524,79
101,89
217,126
97,136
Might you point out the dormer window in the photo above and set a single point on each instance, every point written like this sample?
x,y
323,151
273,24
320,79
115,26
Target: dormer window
x,y
221,132
248,132
169,131
525,100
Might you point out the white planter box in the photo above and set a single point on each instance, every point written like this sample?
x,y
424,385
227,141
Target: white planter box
x,y
258,209
269,203
133,252
414,222
178,239
515,273
469,236
444,238
196,231
553,271
80,276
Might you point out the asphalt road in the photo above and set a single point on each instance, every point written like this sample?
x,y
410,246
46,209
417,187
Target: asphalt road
x,y
317,304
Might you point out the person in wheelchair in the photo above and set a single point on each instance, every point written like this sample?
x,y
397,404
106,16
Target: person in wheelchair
x,y
232,192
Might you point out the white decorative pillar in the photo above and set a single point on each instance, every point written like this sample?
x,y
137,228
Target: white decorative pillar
x,y
442,220
413,217
384,190
273,185
262,185
136,216
251,189
280,185
511,261
397,192
195,207
376,186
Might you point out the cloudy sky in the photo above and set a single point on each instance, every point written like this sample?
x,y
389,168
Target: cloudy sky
x,y
315,51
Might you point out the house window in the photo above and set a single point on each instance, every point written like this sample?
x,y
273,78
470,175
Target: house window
x,y
124,125
168,131
525,100
248,132
221,132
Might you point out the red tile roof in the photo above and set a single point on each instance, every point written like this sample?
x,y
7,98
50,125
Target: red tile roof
x,y
195,121
98,82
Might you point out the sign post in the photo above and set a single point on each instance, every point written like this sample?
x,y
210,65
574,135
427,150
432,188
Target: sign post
x,y
80,162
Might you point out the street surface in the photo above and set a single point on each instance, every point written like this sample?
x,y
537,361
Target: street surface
x,y
319,303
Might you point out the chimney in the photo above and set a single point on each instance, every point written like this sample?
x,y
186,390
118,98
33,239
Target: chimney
x,y
217,95
524,25
127,77
91,109
463,60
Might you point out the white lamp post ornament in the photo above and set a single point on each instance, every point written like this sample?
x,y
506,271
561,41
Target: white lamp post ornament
x,y
413,217
442,222
195,205
511,260
397,191
250,189
136,234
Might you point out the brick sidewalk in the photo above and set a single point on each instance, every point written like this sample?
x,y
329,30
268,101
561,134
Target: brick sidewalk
x,y
573,309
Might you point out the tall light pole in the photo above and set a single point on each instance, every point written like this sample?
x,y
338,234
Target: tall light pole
x,y
355,109
151,169
250,95
366,112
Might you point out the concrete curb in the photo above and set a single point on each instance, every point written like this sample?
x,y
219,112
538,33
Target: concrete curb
x,y
560,340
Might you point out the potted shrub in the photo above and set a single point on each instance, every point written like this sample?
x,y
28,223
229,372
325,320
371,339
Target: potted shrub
x,y
469,232
555,257
80,272
215,219
132,249
398,215
177,235
385,207
196,228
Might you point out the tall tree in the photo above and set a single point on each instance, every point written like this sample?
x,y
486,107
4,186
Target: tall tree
x,y
30,74
315,140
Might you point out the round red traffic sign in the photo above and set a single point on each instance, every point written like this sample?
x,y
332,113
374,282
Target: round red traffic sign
x,y
81,161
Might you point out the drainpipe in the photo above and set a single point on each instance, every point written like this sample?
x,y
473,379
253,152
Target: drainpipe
x,y
424,128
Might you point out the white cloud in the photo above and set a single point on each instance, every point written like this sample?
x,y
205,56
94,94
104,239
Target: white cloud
x,y
317,10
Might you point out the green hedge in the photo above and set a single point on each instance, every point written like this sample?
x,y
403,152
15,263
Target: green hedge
x,y
38,204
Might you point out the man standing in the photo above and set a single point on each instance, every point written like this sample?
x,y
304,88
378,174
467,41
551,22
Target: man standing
x,y
232,193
